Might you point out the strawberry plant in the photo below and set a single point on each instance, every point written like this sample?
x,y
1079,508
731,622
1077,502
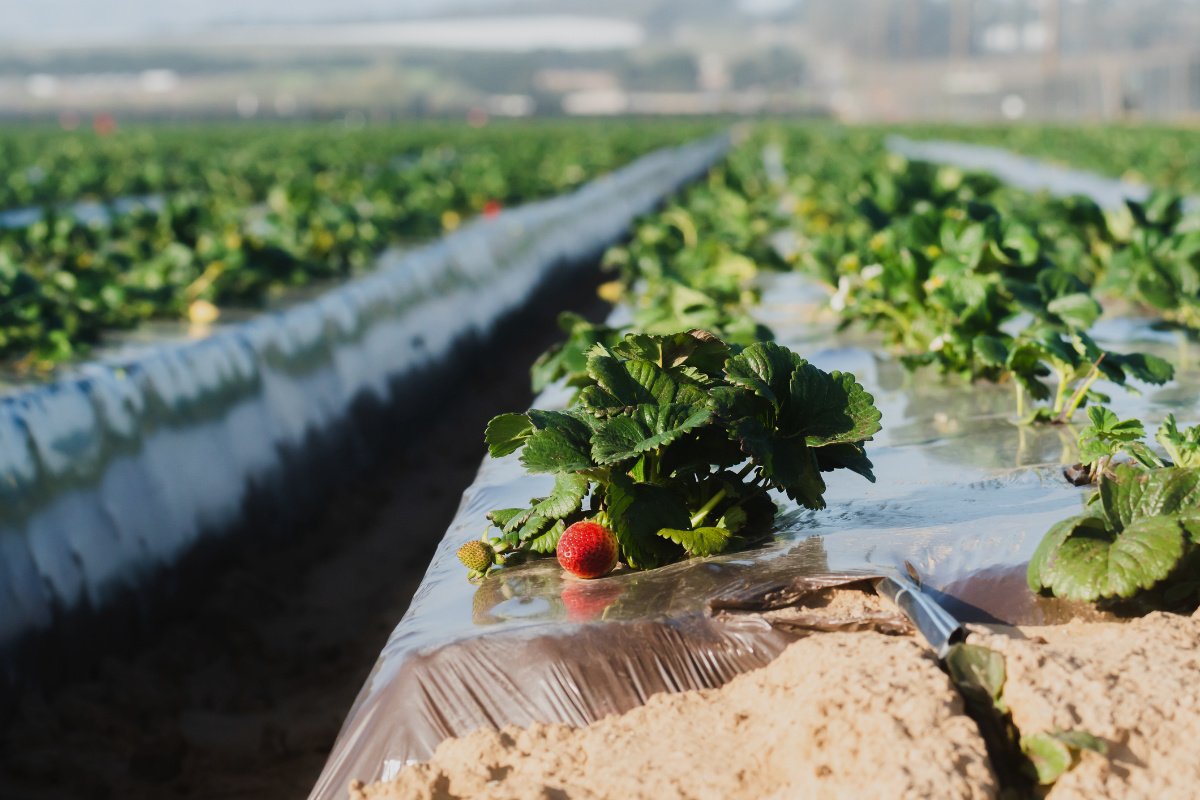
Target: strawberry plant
x,y
1141,532
1106,437
1158,263
675,441
1077,363
1182,447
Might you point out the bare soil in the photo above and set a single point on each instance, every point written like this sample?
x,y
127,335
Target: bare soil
x,y
1132,684
861,715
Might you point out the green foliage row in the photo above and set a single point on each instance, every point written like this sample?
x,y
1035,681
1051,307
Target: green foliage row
x,y
1159,156
959,272
250,212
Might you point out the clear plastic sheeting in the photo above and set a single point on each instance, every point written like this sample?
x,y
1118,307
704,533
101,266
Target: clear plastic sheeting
x,y
88,212
1023,172
963,497
114,472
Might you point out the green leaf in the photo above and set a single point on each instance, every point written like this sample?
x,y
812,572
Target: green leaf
x,y
765,369
530,525
1049,756
565,499
569,358
1053,753
547,542
735,518
621,383
848,455
1133,494
1079,310
1183,447
792,466
828,408
506,433
1038,573
567,496
991,350
697,349
705,541
1102,418
502,516
978,671
1145,367
559,443
644,428
1091,562
638,511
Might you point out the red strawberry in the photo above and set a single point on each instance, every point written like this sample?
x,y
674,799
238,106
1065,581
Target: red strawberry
x,y
587,550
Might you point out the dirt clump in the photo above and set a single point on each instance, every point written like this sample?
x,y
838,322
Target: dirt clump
x,y
1132,684
836,715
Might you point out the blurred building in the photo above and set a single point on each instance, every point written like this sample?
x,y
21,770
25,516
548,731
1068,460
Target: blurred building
x,y
856,59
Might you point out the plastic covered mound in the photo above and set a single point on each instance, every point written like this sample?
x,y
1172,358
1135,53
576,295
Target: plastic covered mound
x,y
1031,174
115,471
963,497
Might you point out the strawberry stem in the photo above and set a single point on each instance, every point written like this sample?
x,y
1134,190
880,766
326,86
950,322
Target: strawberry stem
x,y
704,511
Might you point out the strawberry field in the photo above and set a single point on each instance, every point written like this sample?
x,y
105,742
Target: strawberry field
x,y
812,363
991,360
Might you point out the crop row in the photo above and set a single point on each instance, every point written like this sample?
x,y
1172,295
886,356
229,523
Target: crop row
x,y
1156,156
246,214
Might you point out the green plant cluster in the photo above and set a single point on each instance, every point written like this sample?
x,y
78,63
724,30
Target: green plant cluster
x,y
955,270
249,212
674,441
692,265
1140,535
961,273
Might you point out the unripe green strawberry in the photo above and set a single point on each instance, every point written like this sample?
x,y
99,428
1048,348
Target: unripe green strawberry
x,y
477,556
587,550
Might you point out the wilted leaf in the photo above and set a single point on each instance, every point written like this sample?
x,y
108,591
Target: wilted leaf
x,y
978,671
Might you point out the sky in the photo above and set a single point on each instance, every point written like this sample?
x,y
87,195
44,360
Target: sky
x,y
40,22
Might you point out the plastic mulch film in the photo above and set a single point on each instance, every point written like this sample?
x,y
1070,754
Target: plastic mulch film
x,y
1024,172
114,471
963,497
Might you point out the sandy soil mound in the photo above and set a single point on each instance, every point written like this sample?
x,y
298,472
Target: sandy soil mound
x,y
836,715
1136,685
